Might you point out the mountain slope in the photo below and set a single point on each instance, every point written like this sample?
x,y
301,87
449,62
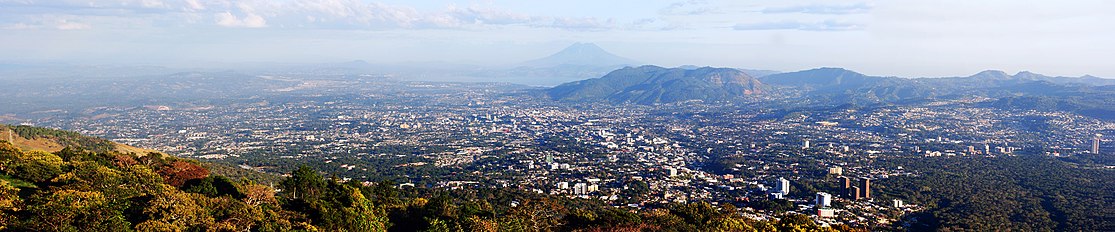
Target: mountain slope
x,y
841,86
51,140
653,84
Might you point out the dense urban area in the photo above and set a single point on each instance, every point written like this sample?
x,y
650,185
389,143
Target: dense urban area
x,y
840,165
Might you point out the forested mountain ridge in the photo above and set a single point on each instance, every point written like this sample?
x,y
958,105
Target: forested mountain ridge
x,y
648,85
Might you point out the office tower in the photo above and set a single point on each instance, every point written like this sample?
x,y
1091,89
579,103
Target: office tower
x,y
1096,144
847,183
897,203
805,145
836,170
854,193
824,200
783,186
866,188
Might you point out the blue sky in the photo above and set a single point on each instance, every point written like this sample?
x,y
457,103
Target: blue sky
x,y
897,37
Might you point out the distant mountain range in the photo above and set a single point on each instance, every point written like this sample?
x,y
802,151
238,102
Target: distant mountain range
x,y
653,84
841,87
853,86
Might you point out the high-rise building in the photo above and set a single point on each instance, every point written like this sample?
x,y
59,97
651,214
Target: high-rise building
x,y
971,150
854,193
1096,143
897,203
805,145
847,183
866,188
783,186
836,170
824,200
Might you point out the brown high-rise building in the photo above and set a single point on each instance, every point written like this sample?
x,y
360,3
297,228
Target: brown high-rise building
x,y
866,188
847,183
854,193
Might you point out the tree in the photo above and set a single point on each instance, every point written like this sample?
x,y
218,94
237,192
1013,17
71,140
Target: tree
x,y
9,202
213,186
178,172
796,222
71,210
173,207
351,211
304,182
36,166
256,195
538,214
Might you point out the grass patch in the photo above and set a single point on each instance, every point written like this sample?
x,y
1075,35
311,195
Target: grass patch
x,y
17,182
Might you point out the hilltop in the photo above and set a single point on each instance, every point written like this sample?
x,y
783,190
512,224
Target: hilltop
x,y
653,85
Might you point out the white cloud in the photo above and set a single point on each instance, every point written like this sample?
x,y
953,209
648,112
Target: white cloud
x,y
332,14
857,8
194,5
583,24
827,25
51,22
153,3
690,7
67,25
250,20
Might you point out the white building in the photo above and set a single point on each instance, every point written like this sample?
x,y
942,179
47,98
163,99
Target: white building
x,y
824,200
1096,143
826,213
783,186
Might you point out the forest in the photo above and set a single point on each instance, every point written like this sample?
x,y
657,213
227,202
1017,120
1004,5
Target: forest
x,y
1017,193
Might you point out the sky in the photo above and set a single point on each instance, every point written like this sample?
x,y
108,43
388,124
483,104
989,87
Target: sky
x,y
885,38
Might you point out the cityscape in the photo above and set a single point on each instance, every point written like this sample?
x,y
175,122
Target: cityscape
x,y
538,116
821,163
